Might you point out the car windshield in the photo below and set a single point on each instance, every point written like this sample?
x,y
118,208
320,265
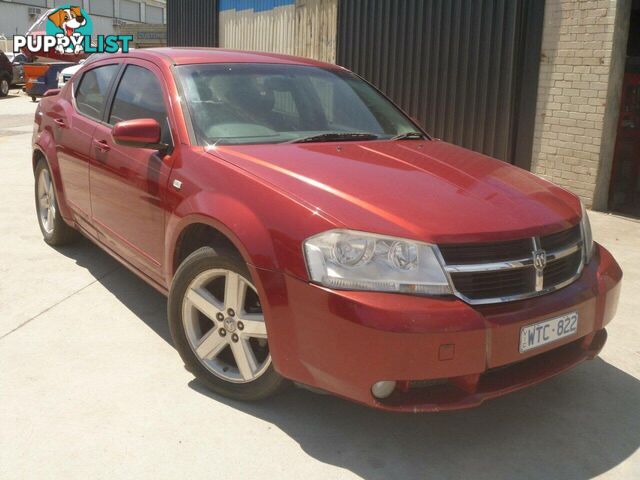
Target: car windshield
x,y
273,103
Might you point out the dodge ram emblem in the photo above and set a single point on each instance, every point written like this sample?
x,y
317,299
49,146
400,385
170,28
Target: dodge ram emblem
x,y
539,259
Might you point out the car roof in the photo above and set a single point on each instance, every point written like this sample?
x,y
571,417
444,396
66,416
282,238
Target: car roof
x,y
200,55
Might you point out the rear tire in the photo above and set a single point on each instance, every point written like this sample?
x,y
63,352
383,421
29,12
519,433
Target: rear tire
x,y
53,227
216,322
4,86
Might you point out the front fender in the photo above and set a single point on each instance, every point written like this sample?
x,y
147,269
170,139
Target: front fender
x,y
267,227
227,215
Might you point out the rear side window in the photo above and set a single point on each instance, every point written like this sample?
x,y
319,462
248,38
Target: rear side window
x,y
92,92
139,95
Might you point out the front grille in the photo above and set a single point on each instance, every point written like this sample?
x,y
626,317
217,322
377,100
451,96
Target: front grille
x,y
488,252
502,271
495,284
561,239
561,270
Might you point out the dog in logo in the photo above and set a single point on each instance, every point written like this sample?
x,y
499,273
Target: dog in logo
x,y
69,20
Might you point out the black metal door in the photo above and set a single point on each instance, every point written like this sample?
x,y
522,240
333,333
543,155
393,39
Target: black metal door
x,y
467,70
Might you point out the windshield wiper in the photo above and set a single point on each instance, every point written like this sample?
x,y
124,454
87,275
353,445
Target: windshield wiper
x,y
409,135
336,137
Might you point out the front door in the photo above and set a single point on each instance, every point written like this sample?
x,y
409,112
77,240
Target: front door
x,y
128,183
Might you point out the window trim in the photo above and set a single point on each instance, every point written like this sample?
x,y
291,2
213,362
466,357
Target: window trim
x,y
76,85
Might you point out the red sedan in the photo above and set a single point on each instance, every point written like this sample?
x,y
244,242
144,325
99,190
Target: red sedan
x,y
306,230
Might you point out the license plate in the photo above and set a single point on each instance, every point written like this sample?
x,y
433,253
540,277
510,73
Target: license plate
x,y
548,331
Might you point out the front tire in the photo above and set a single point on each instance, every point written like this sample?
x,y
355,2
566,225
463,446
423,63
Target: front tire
x,y
217,325
53,227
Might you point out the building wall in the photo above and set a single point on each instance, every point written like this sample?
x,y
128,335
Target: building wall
x,y
15,19
305,28
145,35
573,100
316,29
102,7
129,10
154,15
263,28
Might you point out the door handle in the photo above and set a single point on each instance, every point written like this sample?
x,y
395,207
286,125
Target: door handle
x,y
101,145
59,122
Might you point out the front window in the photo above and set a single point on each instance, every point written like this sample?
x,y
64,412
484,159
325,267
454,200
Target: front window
x,y
270,103
139,95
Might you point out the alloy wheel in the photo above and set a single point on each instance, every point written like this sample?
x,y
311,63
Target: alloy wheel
x,y
4,87
224,325
46,201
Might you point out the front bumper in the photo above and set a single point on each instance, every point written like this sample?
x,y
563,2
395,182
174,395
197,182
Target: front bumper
x,y
444,353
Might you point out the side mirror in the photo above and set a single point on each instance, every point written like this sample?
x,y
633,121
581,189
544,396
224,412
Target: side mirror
x,y
140,133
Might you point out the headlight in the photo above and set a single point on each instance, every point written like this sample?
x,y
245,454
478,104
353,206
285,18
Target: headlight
x,y
350,260
586,235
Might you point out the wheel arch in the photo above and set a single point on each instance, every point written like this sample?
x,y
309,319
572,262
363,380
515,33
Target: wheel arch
x,y
214,219
39,153
198,234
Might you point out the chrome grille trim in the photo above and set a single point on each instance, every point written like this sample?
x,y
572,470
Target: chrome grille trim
x,y
513,264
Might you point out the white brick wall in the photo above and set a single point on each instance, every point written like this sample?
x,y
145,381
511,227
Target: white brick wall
x,y
576,53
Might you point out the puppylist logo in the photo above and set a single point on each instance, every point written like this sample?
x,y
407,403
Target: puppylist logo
x,y
68,30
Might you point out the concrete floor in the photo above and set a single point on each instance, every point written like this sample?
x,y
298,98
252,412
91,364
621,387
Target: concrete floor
x,y
90,386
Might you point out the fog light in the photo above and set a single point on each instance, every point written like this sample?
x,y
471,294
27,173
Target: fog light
x,y
383,389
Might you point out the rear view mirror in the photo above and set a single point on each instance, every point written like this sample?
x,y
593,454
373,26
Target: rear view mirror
x,y
140,133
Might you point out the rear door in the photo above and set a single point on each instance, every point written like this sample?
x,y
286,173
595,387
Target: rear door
x,y
128,184
73,127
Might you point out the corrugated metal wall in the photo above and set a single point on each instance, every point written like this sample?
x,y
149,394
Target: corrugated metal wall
x,y
192,23
465,69
305,28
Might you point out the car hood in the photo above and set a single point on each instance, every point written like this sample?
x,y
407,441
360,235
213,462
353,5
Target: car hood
x,y
428,190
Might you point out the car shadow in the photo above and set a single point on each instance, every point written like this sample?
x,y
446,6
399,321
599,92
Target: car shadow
x,y
10,96
141,299
575,426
